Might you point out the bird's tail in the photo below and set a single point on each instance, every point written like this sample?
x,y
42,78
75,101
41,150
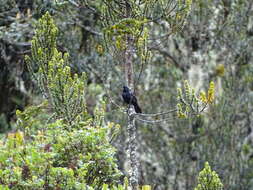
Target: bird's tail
x,y
137,108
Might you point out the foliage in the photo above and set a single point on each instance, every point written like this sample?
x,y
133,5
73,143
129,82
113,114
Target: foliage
x,y
192,104
208,179
135,21
73,151
52,72
53,157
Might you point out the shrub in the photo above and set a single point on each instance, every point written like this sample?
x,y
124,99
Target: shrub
x,y
67,150
208,179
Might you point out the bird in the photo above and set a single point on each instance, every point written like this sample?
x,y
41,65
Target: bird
x,y
130,98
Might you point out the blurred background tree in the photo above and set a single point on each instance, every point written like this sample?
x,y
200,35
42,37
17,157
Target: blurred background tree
x,y
215,44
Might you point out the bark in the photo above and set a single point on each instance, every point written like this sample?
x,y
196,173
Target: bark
x,y
131,128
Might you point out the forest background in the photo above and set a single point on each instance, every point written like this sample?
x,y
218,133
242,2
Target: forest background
x,y
213,42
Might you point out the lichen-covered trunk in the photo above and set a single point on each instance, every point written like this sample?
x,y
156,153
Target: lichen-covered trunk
x,y
131,128
134,174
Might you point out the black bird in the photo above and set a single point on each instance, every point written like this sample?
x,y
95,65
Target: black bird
x,y
129,98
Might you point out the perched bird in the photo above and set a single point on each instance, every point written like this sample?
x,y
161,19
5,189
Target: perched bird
x,y
129,98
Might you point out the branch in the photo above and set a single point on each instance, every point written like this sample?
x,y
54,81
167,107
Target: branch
x,y
155,114
155,121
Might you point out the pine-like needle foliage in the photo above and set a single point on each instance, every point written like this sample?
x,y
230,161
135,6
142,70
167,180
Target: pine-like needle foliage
x,y
50,68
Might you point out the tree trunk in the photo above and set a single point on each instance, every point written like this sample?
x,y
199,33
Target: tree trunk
x,y
131,128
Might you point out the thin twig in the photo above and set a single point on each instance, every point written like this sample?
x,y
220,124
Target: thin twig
x,y
156,114
154,121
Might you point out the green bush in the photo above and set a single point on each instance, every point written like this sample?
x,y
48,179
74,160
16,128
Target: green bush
x,y
54,157
208,179
57,145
